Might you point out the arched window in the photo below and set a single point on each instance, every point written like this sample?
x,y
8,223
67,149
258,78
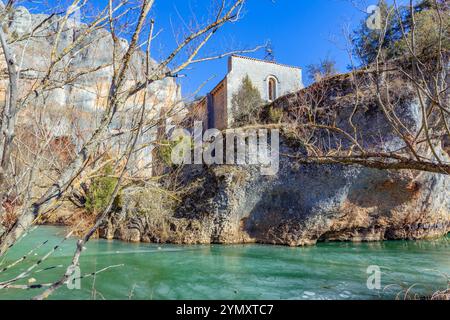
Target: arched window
x,y
272,89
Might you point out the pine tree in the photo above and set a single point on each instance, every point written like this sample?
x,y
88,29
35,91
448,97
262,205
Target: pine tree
x,y
367,42
246,103
397,21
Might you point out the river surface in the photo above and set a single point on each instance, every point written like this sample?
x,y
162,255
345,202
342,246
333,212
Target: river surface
x,y
325,271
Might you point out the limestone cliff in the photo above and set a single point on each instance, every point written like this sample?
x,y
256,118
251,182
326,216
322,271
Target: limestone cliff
x,y
73,104
94,55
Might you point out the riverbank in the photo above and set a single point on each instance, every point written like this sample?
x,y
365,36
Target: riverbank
x,y
325,271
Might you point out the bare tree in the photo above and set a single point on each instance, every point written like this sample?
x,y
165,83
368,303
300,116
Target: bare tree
x,y
126,87
325,68
390,114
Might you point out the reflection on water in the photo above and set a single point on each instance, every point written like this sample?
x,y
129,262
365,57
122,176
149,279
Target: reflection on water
x,y
325,271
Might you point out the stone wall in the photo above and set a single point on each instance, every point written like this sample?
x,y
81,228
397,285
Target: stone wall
x,y
219,103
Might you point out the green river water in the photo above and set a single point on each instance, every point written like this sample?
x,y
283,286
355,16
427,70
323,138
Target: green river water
x,y
325,271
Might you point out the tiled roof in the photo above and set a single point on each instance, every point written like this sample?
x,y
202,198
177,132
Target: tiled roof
x,y
265,61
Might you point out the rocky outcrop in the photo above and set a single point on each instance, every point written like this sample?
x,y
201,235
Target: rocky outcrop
x,y
304,204
301,205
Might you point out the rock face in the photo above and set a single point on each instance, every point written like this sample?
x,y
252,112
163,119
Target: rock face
x,y
93,56
303,204
81,80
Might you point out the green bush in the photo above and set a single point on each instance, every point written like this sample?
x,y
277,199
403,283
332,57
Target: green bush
x,y
275,115
246,104
100,191
166,147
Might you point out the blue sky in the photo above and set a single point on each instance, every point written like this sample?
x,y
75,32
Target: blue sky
x,y
301,32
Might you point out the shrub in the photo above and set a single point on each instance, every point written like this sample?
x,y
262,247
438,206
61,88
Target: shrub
x,y
166,148
246,103
275,115
100,191
325,68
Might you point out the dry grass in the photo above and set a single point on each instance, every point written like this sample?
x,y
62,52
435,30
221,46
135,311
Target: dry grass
x,y
409,294
8,219
441,295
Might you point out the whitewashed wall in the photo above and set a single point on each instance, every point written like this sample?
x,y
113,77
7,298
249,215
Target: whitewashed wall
x,y
289,79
